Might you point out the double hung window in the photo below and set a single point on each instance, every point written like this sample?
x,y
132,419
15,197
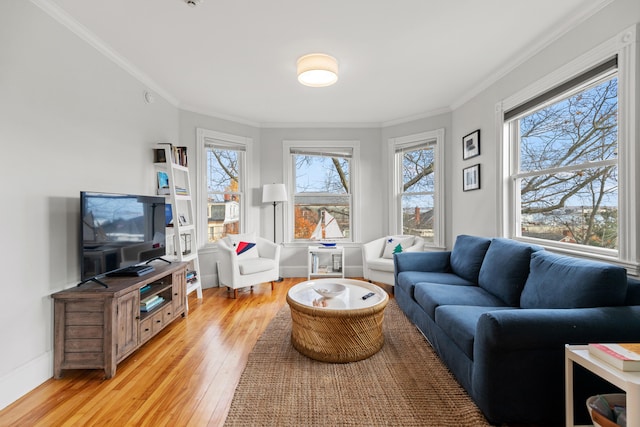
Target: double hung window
x,y
566,161
417,207
322,184
568,157
223,185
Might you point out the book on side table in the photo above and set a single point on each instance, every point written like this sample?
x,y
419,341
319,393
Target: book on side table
x,y
625,357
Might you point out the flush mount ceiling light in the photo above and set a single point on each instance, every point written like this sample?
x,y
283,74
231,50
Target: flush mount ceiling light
x,y
193,3
317,70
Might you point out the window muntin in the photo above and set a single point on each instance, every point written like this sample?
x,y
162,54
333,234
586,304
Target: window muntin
x,y
224,188
322,194
566,169
417,193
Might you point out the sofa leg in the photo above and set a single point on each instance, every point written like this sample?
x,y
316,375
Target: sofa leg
x,y
272,285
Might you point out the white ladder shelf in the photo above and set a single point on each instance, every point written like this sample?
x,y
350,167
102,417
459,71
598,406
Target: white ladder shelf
x,y
183,232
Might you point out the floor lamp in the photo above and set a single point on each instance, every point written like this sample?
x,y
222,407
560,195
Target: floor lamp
x,y
274,193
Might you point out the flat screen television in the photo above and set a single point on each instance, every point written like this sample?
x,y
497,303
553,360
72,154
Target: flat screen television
x,y
119,231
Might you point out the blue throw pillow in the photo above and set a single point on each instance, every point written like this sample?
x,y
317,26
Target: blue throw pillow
x,y
505,269
467,255
557,281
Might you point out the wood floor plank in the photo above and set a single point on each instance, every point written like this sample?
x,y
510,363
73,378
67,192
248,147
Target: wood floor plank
x,y
184,376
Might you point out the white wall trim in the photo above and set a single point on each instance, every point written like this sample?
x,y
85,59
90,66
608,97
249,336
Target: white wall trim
x,y
83,32
527,53
25,378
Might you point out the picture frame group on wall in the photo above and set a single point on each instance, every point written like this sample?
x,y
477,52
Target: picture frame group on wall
x,y
471,145
471,178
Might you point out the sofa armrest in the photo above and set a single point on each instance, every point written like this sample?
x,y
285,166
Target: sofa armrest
x,y
422,261
227,263
520,347
521,329
373,250
268,249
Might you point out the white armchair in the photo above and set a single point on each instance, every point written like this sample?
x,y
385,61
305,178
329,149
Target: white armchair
x,y
377,256
236,271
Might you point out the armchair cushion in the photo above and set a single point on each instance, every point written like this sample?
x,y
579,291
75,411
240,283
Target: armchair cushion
x,y
244,245
396,244
255,265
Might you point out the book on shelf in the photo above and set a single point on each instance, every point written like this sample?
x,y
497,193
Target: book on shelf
x,y
156,301
624,356
178,155
150,300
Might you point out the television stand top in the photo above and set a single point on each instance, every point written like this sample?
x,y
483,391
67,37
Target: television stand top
x,y
133,270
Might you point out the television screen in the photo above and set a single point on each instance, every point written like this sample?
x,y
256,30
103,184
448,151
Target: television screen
x,y
119,230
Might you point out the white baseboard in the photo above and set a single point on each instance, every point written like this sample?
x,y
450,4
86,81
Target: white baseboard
x,y
25,378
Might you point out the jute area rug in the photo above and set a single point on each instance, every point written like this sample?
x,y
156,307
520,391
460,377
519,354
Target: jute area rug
x,y
404,384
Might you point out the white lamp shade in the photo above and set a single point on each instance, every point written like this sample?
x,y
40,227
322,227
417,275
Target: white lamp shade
x,y
274,193
317,70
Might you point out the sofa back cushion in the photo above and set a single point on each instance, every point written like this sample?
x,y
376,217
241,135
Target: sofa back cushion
x,y
467,255
505,269
557,281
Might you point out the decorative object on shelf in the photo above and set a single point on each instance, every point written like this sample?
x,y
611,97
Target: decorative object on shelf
x,y
471,145
317,70
186,243
328,244
471,178
274,193
327,228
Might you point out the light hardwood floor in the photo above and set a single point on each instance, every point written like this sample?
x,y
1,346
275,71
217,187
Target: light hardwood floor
x,y
185,376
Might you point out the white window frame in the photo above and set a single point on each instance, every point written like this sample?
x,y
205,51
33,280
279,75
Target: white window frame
x,y
203,138
354,216
624,46
395,191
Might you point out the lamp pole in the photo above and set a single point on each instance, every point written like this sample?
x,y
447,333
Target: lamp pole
x,y
274,221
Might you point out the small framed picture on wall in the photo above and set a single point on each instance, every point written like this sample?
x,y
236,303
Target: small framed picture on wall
x,y
471,178
471,145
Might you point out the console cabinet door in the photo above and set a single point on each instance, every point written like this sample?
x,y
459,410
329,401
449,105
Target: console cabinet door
x,y
179,289
127,319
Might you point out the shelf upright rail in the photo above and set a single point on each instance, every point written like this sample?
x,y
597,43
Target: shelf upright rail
x,y
183,232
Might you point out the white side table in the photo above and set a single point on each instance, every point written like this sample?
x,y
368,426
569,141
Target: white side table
x,y
325,261
627,381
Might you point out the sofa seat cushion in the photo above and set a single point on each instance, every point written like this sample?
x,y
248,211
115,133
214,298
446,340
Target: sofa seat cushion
x,y
382,264
467,256
557,281
459,323
430,296
255,265
505,269
408,279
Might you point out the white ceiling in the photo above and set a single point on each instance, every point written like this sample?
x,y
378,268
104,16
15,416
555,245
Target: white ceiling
x,y
398,59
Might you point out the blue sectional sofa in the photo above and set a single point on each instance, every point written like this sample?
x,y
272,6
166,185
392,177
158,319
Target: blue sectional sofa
x,y
498,313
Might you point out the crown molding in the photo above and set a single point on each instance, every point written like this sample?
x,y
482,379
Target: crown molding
x,y
83,32
567,25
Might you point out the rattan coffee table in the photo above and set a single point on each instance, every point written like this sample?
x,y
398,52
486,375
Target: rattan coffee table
x,y
341,329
